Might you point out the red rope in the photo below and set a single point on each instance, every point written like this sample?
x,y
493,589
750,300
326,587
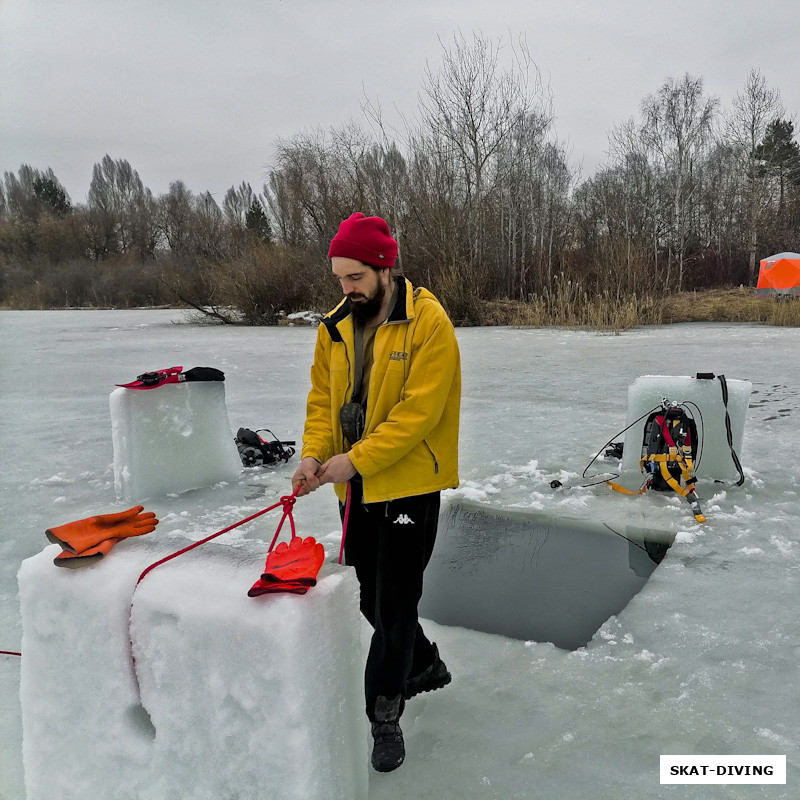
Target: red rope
x,y
9,653
287,502
344,522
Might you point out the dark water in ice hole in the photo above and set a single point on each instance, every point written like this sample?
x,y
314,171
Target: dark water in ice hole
x,y
534,576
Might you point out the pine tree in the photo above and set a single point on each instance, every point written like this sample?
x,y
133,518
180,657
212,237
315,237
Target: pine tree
x,y
257,222
779,156
51,196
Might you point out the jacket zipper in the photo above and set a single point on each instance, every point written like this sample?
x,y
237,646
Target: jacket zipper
x,y
349,391
350,370
433,456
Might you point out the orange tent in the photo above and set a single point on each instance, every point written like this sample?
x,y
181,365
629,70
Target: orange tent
x,y
779,274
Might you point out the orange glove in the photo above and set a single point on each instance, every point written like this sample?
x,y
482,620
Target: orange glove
x,y
68,559
84,534
299,561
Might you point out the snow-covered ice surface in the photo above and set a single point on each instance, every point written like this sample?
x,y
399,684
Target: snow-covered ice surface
x,y
703,661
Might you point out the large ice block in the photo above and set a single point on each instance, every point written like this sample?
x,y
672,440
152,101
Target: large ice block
x,y
170,439
240,697
716,462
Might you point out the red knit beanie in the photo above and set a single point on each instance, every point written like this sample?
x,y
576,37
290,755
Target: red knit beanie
x,y
366,239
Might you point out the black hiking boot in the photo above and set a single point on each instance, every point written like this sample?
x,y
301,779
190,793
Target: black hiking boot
x,y
434,677
389,750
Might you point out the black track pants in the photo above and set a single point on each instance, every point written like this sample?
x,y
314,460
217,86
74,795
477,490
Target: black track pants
x,y
390,544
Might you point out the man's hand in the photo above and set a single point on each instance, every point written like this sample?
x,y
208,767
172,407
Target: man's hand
x,y
338,469
306,477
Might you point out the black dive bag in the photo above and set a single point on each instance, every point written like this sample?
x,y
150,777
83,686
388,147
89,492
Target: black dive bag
x,y
257,452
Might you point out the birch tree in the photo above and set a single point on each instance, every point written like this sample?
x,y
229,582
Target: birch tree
x,y
469,108
677,126
746,126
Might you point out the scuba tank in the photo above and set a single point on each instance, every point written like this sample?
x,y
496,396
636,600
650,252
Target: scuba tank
x,y
670,426
669,450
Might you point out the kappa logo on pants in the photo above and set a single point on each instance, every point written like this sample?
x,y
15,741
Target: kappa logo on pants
x,y
403,519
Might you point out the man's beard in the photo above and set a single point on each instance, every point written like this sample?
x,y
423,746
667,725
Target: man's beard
x,y
365,310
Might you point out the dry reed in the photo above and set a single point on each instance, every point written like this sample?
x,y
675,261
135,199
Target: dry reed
x,y
569,306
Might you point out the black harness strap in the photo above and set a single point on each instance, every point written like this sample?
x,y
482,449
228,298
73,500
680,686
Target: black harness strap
x,y
724,385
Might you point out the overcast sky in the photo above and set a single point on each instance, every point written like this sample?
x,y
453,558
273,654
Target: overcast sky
x,y
199,90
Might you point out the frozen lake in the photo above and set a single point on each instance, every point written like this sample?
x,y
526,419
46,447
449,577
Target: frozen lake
x,y
702,661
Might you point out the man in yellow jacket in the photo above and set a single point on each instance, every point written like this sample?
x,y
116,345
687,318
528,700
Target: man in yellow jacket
x,y
382,426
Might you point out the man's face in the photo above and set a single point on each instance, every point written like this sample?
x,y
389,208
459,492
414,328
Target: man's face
x,y
364,286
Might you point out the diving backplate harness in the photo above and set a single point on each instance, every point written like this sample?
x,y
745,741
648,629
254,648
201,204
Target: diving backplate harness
x,y
671,450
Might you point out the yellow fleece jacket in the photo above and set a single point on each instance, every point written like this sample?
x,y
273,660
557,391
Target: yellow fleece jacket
x,y
410,441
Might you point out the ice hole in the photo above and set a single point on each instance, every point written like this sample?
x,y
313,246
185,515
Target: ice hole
x,y
139,719
534,576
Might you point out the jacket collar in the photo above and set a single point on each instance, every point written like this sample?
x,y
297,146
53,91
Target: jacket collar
x,y
403,310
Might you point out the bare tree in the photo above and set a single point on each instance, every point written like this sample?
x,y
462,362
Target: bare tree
x,y
318,179
236,204
123,210
469,108
677,126
532,206
746,125
722,200
210,227
386,173
176,217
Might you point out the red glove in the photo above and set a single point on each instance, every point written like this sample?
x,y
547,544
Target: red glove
x,y
291,567
262,587
299,560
